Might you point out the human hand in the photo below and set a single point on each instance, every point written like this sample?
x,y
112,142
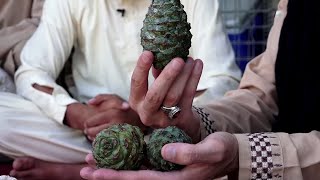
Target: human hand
x,y
111,110
214,157
95,115
76,115
175,85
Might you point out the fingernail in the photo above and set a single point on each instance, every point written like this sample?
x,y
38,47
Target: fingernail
x,y
125,105
198,66
145,57
176,64
189,61
91,100
85,172
12,173
85,131
170,152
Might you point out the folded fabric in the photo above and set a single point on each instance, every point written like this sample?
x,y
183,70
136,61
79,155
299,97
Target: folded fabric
x,y
3,177
6,82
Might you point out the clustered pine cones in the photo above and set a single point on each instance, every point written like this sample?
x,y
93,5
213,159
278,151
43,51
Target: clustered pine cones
x,y
122,147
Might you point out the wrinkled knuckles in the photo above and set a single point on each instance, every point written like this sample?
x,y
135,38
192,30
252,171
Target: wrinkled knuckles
x,y
170,75
133,103
220,152
162,123
115,96
153,99
145,119
189,93
171,99
189,156
137,82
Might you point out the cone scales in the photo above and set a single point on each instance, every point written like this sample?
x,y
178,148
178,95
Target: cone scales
x,y
166,32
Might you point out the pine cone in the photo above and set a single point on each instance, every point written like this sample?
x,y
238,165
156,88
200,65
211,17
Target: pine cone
x,y
119,147
166,32
158,139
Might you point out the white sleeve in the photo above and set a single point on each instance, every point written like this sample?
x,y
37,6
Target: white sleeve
x,y
44,56
211,44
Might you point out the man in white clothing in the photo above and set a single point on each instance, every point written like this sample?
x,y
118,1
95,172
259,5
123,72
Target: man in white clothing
x,y
48,125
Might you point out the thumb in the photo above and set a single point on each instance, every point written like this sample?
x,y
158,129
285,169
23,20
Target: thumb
x,y
187,154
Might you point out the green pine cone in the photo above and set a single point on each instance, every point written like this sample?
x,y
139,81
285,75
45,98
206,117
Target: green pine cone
x,y
166,32
119,147
158,139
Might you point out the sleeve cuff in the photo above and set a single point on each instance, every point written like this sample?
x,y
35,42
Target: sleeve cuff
x,y
62,100
206,125
55,105
260,156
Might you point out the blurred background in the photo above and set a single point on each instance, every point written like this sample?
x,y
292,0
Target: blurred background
x,y
248,23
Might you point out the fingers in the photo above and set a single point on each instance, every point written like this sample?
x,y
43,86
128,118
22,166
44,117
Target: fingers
x,y
108,174
110,101
95,124
187,154
155,72
90,160
98,119
87,173
139,79
192,84
176,90
23,163
101,121
93,131
157,92
22,174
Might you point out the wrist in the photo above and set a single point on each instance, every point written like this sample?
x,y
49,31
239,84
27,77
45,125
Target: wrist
x,y
206,125
190,124
73,117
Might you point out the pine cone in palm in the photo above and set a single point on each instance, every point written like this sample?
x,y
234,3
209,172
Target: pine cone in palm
x,y
158,139
119,147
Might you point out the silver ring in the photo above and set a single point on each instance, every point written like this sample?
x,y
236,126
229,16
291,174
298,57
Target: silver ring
x,y
171,111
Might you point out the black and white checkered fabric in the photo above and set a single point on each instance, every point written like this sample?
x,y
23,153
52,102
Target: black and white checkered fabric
x,y
261,156
208,124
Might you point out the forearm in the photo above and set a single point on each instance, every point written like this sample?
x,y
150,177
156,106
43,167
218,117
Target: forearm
x,y
44,56
279,155
251,107
243,113
42,90
72,116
